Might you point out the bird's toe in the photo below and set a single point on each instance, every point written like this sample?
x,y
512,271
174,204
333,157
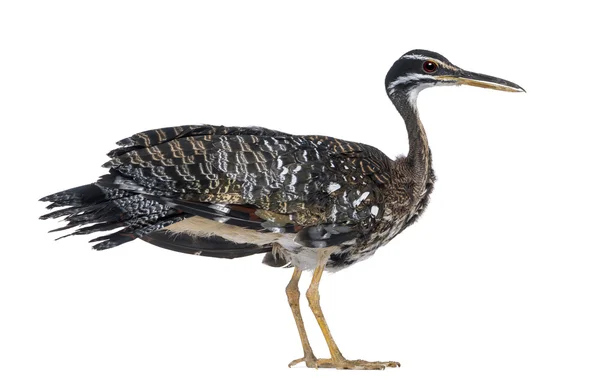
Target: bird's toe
x,y
309,360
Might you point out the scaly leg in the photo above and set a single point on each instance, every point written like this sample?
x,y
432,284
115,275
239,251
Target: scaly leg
x,y
337,359
293,294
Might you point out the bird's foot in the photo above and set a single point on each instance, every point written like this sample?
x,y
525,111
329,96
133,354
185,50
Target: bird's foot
x,y
309,359
342,363
354,364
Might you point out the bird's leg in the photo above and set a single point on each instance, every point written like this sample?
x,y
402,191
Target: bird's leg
x,y
293,294
337,359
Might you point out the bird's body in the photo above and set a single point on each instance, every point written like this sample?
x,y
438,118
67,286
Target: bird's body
x,y
310,202
256,187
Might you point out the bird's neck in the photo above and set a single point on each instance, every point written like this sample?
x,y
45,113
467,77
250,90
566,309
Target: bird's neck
x,y
419,155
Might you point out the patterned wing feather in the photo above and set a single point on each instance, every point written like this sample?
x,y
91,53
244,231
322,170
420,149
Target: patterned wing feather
x,y
319,178
327,190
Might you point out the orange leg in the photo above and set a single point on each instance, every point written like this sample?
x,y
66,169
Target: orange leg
x,y
337,359
293,294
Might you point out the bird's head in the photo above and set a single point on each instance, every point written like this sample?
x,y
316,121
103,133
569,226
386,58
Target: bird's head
x,y
419,69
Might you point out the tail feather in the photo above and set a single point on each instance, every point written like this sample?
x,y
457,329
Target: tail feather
x,y
77,196
113,240
133,232
96,208
100,227
64,212
117,203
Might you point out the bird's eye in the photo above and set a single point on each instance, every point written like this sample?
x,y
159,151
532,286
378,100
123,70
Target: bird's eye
x,y
429,66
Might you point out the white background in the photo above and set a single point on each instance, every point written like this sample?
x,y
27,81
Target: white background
x,y
499,279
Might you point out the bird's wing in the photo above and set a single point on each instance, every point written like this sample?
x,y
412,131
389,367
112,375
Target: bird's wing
x,y
321,187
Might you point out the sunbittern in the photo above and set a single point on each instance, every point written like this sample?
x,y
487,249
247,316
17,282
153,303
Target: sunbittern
x,y
308,202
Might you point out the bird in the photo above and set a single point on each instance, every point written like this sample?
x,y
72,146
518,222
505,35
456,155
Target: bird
x,y
307,202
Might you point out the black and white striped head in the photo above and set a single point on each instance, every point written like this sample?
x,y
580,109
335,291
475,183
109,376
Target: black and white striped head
x,y
419,69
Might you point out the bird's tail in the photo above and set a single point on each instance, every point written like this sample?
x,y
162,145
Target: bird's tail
x,y
101,207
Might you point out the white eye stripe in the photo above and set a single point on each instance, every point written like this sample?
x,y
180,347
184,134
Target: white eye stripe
x,y
405,79
425,58
416,56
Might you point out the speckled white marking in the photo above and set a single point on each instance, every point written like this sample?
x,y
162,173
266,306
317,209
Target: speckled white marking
x,y
362,197
220,207
333,211
285,170
333,186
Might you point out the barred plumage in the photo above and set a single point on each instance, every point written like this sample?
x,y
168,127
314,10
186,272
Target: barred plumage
x,y
311,202
323,190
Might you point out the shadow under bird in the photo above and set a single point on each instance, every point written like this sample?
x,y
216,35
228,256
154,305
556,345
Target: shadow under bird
x,y
312,203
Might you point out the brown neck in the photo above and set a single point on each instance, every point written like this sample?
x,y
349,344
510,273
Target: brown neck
x,y
419,155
